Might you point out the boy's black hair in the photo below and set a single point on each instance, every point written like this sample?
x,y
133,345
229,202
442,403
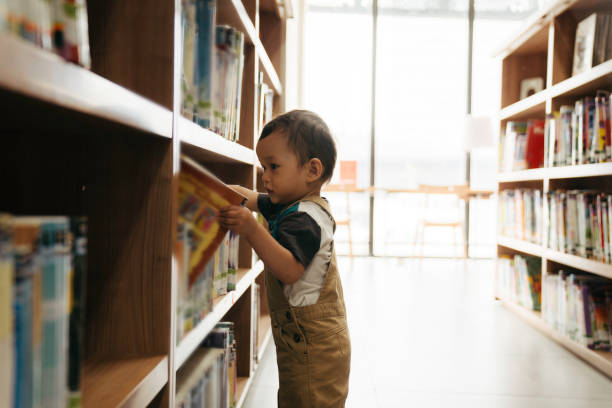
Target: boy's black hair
x,y
308,136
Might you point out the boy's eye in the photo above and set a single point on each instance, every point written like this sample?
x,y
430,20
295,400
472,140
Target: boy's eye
x,y
274,166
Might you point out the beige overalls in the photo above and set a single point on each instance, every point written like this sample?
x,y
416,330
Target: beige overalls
x,y
313,347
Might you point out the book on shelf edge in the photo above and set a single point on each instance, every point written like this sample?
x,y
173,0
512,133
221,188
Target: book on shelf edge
x,y
201,196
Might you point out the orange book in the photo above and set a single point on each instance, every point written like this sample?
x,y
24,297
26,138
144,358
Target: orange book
x,y
201,195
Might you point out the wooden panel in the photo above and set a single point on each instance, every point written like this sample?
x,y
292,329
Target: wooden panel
x,y
123,184
240,314
585,84
131,382
565,32
132,44
272,36
515,68
248,109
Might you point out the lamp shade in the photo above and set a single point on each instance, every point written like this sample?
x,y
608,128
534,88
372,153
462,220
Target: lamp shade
x,y
478,132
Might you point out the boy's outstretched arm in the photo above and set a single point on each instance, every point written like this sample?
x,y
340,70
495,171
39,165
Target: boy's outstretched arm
x,y
278,259
251,196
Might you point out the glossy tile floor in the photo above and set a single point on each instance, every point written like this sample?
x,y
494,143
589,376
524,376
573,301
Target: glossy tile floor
x,y
430,334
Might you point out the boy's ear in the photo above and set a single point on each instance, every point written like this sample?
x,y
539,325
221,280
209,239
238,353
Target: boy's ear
x,y
314,170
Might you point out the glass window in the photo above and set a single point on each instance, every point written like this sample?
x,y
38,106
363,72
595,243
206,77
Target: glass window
x,y
337,85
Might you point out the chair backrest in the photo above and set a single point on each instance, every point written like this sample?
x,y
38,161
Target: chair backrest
x,y
348,173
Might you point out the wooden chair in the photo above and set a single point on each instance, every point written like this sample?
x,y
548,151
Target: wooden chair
x,y
460,192
347,183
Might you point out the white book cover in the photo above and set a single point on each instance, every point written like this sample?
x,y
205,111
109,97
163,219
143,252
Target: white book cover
x,y
583,45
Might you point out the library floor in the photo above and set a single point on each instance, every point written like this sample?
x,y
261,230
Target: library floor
x,y
430,334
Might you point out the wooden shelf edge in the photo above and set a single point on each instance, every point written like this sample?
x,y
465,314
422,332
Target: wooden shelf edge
x,y
192,340
260,49
578,262
521,246
522,175
524,105
42,75
598,359
212,144
593,74
264,344
534,24
127,382
242,389
582,170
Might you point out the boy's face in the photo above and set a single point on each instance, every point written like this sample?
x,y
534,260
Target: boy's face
x,y
284,179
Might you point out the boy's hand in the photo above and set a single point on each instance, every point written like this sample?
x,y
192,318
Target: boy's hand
x,y
238,219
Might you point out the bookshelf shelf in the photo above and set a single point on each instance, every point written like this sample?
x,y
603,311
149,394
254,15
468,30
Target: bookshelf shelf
x,y
599,359
522,175
206,146
528,108
544,48
586,83
580,171
578,262
43,76
128,382
222,305
521,246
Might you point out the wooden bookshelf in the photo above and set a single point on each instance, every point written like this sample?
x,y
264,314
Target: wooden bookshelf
x,y
544,47
106,143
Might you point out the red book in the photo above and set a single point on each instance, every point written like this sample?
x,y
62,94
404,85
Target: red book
x,y
534,150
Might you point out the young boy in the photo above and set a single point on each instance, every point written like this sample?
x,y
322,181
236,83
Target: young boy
x,y
303,287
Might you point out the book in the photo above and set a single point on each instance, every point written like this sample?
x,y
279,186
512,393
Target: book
x,y
201,196
519,280
534,149
76,308
520,214
6,310
205,61
189,87
578,306
592,45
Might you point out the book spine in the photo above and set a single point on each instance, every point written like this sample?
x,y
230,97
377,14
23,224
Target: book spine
x,y
78,228
188,68
7,277
205,61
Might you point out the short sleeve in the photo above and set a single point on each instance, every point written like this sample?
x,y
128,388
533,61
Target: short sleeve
x,y
267,208
301,235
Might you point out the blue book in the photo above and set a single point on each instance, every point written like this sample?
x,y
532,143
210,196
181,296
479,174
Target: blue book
x,y
55,255
205,53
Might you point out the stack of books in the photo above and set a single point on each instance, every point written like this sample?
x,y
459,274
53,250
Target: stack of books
x,y
580,223
580,134
520,214
207,254
522,145
57,25
43,262
209,377
579,307
520,280
212,66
